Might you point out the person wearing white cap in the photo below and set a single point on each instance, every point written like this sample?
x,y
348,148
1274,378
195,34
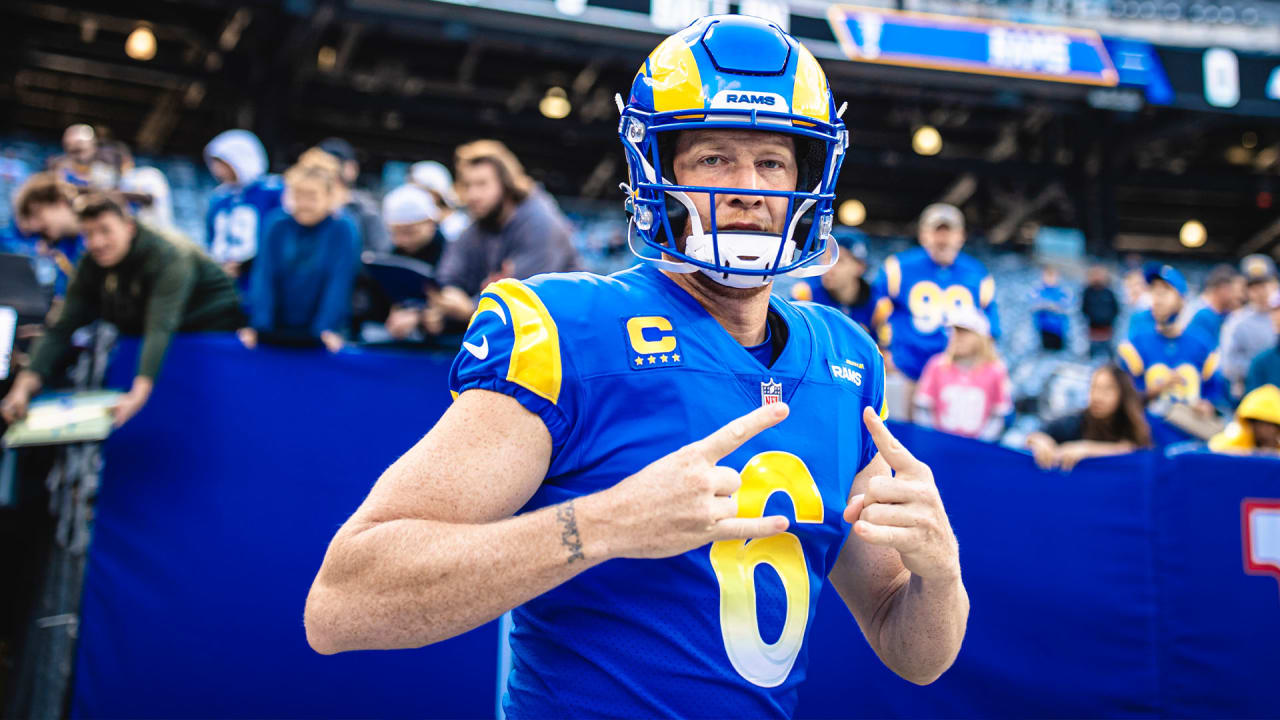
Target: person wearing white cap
x,y
965,389
917,290
436,179
412,218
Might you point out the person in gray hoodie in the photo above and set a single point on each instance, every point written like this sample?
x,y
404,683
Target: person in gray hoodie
x,y
1248,331
243,199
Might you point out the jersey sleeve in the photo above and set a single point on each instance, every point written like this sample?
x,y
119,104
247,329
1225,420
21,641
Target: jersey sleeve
x,y
987,299
1132,361
513,346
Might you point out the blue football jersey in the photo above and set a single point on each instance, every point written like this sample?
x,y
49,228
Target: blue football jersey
x,y
623,370
1150,357
912,297
234,222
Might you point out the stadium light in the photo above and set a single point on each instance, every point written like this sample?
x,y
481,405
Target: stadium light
x,y
852,212
326,59
1193,234
927,140
141,43
555,104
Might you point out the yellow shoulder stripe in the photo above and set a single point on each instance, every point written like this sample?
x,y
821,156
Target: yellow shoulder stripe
x,y
535,352
1210,365
893,275
1129,354
987,291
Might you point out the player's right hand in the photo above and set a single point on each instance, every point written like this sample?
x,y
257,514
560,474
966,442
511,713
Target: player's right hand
x,y
685,500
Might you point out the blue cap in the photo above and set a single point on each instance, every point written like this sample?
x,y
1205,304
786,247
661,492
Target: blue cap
x,y
1167,273
852,243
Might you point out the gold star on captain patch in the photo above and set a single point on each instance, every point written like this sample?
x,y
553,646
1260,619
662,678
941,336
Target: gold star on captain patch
x,y
639,361
650,359
663,358
676,358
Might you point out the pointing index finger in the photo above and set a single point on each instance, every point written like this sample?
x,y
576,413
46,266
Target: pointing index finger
x,y
732,436
894,452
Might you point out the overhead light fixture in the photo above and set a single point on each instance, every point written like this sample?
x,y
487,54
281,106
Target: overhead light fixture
x,y
555,104
1193,234
1249,140
927,140
141,43
852,213
326,59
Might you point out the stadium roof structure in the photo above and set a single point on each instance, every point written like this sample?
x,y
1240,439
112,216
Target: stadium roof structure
x,y
412,79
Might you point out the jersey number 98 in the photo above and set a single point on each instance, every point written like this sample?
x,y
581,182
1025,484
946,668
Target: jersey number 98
x,y
735,561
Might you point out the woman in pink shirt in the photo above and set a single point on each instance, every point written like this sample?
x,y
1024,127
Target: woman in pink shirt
x,y
964,389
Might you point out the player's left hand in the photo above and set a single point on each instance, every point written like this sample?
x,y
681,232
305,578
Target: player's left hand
x,y
904,511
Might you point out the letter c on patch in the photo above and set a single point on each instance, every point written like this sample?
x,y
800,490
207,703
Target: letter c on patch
x,y
664,342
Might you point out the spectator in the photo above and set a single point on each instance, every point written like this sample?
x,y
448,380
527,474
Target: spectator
x,y
142,281
239,206
917,290
435,179
43,206
964,390
1265,368
1050,306
146,189
518,231
305,269
1223,293
1249,330
361,204
81,164
1169,364
13,169
411,215
1256,427
844,286
1100,308
1137,296
1112,424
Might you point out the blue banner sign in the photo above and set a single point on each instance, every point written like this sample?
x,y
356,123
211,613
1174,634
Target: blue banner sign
x,y
987,47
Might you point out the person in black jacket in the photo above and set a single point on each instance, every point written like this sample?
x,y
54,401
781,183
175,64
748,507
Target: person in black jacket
x,y
1100,308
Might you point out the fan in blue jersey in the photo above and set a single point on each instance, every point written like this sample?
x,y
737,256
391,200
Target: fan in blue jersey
x,y
241,202
916,289
1224,291
1171,363
844,286
619,459
1050,303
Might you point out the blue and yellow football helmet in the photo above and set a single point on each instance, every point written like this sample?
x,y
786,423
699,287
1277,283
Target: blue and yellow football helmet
x,y
731,72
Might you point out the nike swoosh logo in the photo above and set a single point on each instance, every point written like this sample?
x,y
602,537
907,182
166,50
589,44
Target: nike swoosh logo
x,y
481,351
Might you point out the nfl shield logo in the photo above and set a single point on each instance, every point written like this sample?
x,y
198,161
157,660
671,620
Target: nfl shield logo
x,y
770,392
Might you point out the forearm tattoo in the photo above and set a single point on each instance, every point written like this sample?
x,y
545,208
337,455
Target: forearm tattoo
x,y
569,532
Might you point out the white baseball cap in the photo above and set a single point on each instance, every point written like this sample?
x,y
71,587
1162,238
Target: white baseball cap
x,y
969,318
942,214
408,204
436,178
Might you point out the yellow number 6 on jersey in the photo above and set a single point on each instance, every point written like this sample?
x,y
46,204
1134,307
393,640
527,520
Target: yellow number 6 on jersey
x,y
735,561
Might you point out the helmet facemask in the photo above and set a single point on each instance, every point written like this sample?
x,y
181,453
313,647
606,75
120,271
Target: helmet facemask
x,y
660,208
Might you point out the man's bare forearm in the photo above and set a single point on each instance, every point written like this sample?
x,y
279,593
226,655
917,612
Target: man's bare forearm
x,y
923,626
409,582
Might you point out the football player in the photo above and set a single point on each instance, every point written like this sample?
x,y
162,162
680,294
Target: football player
x,y
619,458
